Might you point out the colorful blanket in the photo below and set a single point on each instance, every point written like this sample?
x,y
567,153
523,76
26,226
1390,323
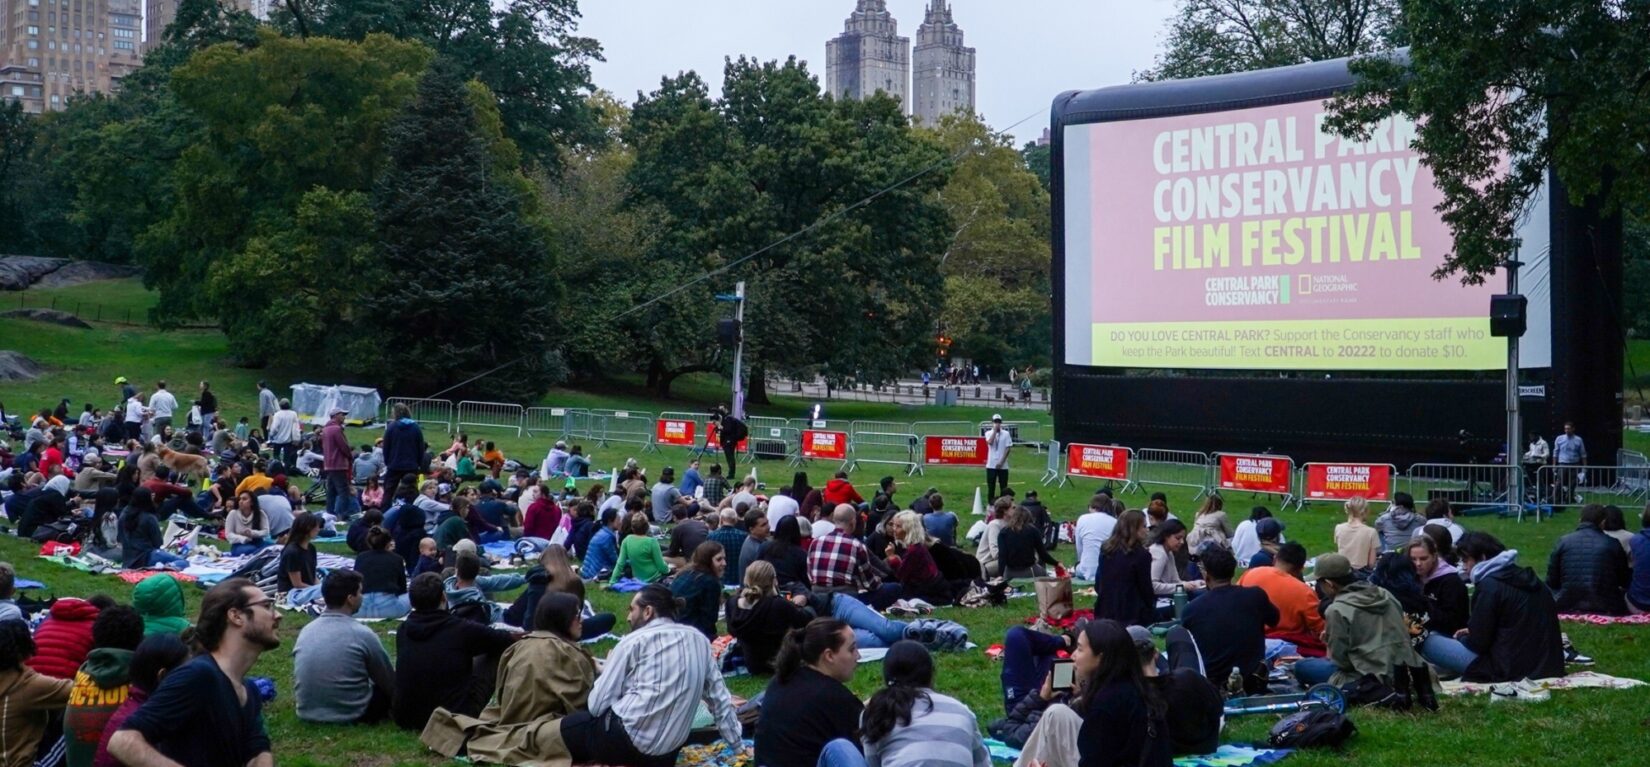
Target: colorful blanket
x,y
1605,620
1576,681
1228,755
135,577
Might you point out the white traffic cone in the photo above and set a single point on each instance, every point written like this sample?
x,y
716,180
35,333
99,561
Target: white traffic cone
x,y
979,505
613,481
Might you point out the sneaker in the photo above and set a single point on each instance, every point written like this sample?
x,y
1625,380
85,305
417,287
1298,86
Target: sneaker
x,y
1572,655
1531,692
1503,692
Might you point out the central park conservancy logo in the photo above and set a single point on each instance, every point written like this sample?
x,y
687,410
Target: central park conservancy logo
x,y
1257,290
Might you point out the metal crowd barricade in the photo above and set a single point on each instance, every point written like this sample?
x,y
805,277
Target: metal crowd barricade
x,y
1565,485
699,421
490,415
767,432
1465,485
1303,493
939,428
1054,472
425,411
547,422
1634,473
1177,468
884,442
634,427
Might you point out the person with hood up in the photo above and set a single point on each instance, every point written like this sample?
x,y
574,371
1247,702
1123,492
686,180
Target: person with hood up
x,y
1588,570
1365,631
1397,525
468,586
1512,633
840,490
160,602
65,638
154,657
101,684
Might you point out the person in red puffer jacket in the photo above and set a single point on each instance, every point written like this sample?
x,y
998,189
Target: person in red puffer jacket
x,y
65,638
839,490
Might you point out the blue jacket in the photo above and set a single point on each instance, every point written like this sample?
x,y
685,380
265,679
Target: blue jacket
x,y
600,555
1639,592
403,446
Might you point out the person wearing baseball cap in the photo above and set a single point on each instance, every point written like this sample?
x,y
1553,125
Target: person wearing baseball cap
x,y
336,461
997,442
1365,632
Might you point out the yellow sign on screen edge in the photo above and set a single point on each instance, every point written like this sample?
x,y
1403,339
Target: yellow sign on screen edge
x,y
1448,343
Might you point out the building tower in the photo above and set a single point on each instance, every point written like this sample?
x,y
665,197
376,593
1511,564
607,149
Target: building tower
x,y
942,67
869,56
51,50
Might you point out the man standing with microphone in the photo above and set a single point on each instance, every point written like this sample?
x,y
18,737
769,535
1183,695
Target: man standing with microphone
x,y
997,443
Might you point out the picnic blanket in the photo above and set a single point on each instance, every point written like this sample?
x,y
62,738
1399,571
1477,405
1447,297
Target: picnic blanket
x,y
1605,620
1576,681
25,583
135,577
1228,755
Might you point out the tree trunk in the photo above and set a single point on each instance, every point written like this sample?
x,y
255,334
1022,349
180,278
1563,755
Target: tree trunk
x,y
758,388
661,385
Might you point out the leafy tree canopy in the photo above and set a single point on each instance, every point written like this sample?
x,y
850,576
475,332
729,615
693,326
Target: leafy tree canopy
x,y
1214,37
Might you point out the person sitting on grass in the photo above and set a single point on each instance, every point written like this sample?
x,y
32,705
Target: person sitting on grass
x,y
760,618
245,528
685,538
1299,620
1358,542
1588,570
140,535
384,578
297,581
442,660
205,713
908,722
1168,541
1126,565
1441,584
603,551
786,552
29,697
102,682
1638,592
699,588
155,657
1269,532
340,668
908,555
468,589
544,677
641,552
642,707
1021,553
450,527
809,694
1229,624
1512,630
1365,631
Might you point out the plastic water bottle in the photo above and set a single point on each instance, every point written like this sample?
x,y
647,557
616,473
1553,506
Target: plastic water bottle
x,y
1179,601
1234,683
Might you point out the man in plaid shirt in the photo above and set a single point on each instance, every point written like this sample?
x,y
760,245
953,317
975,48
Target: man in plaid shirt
x,y
838,562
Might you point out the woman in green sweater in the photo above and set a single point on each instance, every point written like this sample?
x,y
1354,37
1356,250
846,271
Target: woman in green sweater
x,y
641,552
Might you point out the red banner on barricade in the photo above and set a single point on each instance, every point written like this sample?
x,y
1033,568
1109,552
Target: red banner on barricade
x,y
824,444
673,431
1255,473
954,451
1340,481
715,444
1099,461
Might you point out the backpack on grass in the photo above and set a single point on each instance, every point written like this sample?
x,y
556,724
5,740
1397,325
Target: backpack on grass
x,y
1312,728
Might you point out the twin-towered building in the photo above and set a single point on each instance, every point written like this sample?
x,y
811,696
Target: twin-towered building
x,y
935,79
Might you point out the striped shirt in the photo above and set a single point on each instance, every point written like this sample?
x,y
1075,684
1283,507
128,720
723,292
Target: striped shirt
x,y
942,733
654,680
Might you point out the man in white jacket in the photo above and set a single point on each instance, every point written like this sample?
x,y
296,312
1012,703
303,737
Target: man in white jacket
x,y
164,405
1092,530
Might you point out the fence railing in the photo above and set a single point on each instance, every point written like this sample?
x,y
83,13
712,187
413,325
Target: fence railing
x,y
424,411
491,415
1175,468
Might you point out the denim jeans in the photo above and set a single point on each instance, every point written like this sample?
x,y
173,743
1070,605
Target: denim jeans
x,y
1447,653
303,595
164,557
382,605
870,628
250,547
1311,671
1027,657
839,753
338,493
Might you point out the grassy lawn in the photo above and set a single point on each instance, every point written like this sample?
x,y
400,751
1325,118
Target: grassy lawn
x,y
1592,728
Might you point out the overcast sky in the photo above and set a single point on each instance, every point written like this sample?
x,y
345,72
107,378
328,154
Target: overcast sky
x,y
1027,51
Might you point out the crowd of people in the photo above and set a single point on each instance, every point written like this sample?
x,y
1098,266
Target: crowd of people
x,y
802,578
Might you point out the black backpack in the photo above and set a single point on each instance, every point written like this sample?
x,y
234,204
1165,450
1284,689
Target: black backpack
x,y
1312,728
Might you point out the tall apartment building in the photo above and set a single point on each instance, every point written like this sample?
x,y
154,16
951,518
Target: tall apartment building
x,y
869,56
942,68
51,49
162,12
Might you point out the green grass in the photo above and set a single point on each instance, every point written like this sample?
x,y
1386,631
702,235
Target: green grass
x,y
1593,728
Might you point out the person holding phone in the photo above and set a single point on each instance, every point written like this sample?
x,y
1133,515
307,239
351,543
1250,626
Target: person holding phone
x,y
1113,715
997,442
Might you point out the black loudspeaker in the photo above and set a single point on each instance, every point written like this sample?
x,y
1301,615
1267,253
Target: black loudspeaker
x,y
768,448
1507,315
727,333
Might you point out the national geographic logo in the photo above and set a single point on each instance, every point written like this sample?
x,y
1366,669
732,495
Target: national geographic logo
x,y
1324,284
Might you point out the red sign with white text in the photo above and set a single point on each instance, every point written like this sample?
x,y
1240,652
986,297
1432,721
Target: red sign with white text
x,y
1255,473
955,451
1340,481
824,444
671,431
715,444
1100,461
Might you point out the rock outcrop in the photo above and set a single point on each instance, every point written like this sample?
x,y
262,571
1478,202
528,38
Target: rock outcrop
x,y
53,316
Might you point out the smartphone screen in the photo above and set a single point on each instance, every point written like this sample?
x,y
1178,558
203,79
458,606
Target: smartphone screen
x,y
1065,675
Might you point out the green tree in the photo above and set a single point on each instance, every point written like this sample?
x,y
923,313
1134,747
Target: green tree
x,y
1503,91
748,175
466,273
277,121
525,51
1038,156
1213,37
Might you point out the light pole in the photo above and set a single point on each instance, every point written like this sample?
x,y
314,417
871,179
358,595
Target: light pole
x,y
738,299
1515,483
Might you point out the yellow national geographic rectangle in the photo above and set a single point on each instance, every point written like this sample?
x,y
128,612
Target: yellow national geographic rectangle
x,y
1444,343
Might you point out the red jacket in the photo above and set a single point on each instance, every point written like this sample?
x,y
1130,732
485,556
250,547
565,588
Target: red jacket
x,y
161,490
50,457
840,491
65,639
335,452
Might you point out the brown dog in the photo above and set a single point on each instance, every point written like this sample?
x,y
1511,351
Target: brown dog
x,y
184,464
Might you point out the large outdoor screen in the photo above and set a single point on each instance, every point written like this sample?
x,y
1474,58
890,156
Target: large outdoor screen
x,y
1256,239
